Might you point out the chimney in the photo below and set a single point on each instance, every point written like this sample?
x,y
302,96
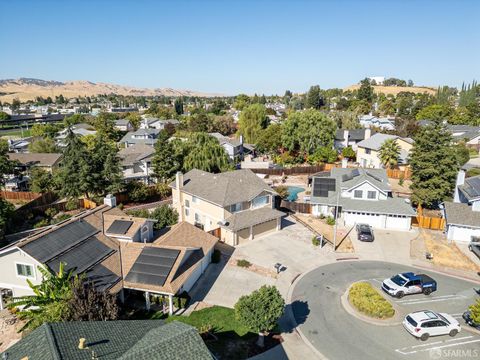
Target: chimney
x,y
110,200
460,181
179,180
241,139
345,137
368,133
81,343
177,195
344,163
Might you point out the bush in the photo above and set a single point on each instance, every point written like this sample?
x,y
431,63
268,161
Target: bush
x,y
401,180
141,213
163,190
315,241
216,256
137,191
472,172
244,263
165,216
330,221
366,299
182,300
71,204
282,191
41,223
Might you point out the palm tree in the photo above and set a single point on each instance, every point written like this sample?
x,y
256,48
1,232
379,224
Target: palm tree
x,y
389,153
50,300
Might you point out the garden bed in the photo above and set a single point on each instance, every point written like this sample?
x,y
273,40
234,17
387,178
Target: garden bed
x,y
368,301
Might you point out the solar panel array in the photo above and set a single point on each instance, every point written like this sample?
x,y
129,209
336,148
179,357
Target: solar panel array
x,y
81,257
56,242
102,278
472,187
321,186
119,227
355,172
153,266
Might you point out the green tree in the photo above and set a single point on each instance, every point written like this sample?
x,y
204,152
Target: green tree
x,y
462,153
178,105
165,216
323,154
365,92
434,165
40,146
435,112
253,119
205,153
166,161
104,124
241,101
4,116
135,119
270,139
475,311
41,181
45,130
74,119
6,168
348,153
314,98
260,310
389,153
138,191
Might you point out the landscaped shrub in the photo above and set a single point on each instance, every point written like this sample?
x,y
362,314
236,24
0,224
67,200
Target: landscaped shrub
x,y
41,223
216,256
282,190
243,263
71,205
315,241
401,179
366,299
182,300
330,221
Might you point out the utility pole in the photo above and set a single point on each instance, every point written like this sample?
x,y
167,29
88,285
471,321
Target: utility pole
x,y
335,225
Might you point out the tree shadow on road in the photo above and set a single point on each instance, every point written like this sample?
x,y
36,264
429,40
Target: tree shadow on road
x,y
295,314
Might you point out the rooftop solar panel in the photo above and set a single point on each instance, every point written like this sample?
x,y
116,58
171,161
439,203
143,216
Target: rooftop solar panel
x,y
102,278
119,227
355,172
81,257
152,266
321,186
58,241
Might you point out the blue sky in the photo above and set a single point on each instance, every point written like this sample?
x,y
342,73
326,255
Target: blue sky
x,y
246,46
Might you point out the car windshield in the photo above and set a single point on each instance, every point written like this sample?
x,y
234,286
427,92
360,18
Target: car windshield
x,y
365,232
411,321
443,318
397,279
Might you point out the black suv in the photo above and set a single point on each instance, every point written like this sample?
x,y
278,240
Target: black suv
x,y
365,233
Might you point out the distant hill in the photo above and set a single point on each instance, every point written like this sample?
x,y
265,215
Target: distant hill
x,y
28,89
394,90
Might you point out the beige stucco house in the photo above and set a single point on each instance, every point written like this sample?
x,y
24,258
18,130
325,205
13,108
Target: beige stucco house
x,y
237,206
368,150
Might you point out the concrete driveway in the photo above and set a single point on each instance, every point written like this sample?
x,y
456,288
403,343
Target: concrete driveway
x,y
390,245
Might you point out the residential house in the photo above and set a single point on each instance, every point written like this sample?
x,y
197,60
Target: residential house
x,y
345,138
237,206
136,162
117,252
469,134
368,150
363,196
383,123
251,162
111,340
78,129
141,136
20,145
44,161
123,125
155,123
462,216
233,147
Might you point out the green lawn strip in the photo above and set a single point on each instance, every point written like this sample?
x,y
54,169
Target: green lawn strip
x,y
366,299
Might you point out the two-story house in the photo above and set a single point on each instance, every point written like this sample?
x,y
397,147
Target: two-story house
x,y
233,147
159,124
136,162
237,205
368,150
141,136
362,196
345,138
123,125
462,216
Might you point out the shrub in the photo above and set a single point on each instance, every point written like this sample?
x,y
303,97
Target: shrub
x,y
315,241
401,180
182,300
330,221
244,263
60,218
141,213
282,191
472,172
71,204
51,212
137,191
163,190
42,223
165,216
366,299
216,256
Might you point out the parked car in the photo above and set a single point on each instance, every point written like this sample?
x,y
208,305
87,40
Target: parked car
x,y
409,283
426,323
365,232
467,316
474,247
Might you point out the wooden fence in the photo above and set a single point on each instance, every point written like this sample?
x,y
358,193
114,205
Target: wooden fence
x,y
399,174
24,196
428,222
302,208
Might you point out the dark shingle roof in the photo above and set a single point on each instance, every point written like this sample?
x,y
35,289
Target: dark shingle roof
x,y
128,339
471,188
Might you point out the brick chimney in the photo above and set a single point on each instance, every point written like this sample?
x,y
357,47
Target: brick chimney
x,y
177,196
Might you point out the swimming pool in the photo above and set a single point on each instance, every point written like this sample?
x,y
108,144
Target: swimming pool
x,y
293,191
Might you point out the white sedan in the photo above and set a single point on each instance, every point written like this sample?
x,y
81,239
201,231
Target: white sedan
x,y
426,323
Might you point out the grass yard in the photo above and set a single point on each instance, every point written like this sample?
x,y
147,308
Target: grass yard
x,y
15,133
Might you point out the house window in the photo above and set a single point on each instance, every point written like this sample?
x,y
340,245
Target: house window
x,y
187,212
372,195
367,151
187,203
358,194
25,270
260,201
235,207
194,199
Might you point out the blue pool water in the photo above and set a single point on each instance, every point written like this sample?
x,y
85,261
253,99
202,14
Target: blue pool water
x,y
293,191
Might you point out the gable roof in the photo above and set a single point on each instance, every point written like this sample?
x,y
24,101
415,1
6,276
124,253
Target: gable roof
x,y
471,188
353,134
135,153
349,178
461,214
243,219
225,188
375,141
123,339
38,159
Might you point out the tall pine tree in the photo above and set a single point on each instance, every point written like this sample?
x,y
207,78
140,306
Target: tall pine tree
x,y
165,160
434,165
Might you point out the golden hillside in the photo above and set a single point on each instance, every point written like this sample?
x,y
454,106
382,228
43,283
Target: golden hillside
x,y
394,90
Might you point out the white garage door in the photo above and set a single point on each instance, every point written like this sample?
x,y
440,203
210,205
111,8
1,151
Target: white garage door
x,y
398,222
376,221
462,234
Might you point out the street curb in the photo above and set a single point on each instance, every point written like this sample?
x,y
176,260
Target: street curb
x,y
457,276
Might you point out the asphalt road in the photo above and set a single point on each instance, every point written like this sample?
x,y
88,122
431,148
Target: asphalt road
x,y
338,335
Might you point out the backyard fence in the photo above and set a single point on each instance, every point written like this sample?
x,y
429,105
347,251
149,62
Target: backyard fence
x,y
399,174
428,222
24,196
302,208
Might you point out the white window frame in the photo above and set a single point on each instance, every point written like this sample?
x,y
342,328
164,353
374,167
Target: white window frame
x,y
34,275
187,203
358,197
267,197
374,194
187,212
